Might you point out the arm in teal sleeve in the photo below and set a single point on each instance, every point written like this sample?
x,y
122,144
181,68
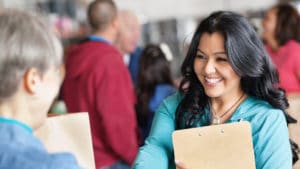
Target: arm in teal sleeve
x,y
158,149
272,147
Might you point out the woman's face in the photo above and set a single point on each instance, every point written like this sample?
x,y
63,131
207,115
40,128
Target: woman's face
x,y
269,25
212,67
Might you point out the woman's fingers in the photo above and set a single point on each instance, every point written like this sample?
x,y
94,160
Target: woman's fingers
x,y
180,165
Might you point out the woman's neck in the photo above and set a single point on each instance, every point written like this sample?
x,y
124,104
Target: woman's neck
x,y
221,109
223,104
273,44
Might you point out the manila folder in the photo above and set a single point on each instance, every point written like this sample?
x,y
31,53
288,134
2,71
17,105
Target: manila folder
x,y
225,146
69,133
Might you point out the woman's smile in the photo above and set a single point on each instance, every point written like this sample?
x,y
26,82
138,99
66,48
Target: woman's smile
x,y
212,81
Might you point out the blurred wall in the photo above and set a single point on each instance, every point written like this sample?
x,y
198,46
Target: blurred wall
x,y
164,9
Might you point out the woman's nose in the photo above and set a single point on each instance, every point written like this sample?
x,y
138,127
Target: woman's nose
x,y
210,67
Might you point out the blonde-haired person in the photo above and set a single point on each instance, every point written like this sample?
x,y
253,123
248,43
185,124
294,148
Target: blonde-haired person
x,y
30,75
127,41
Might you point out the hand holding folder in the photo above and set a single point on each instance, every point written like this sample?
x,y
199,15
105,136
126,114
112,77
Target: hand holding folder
x,y
225,146
69,133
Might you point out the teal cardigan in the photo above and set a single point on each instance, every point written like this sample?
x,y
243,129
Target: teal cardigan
x,y
269,133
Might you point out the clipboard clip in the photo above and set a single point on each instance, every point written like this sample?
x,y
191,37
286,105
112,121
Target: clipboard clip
x,y
222,131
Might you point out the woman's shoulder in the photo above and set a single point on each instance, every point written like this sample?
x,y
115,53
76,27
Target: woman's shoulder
x,y
260,110
259,104
292,45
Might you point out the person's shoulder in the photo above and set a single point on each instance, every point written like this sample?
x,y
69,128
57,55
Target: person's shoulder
x,y
95,46
293,45
261,110
34,157
110,52
137,52
165,88
255,102
63,161
258,104
53,160
29,149
56,160
102,53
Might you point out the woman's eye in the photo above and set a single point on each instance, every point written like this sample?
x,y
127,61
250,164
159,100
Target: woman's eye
x,y
222,59
200,56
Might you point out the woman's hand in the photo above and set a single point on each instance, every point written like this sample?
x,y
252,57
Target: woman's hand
x,y
180,165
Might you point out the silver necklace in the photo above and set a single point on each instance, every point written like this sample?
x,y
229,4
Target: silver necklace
x,y
217,119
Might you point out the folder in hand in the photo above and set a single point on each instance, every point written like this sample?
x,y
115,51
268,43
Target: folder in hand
x,y
69,133
225,146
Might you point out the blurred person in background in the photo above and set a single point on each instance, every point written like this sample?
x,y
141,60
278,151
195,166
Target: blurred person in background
x,y
281,34
281,26
127,41
153,86
31,72
98,82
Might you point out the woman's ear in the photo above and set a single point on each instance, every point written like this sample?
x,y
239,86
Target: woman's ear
x,y
32,79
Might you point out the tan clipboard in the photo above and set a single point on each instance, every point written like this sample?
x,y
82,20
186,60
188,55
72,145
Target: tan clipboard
x,y
69,133
225,146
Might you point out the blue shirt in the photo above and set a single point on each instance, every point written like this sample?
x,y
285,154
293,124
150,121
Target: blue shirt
x,y
161,92
269,133
20,149
134,64
98,39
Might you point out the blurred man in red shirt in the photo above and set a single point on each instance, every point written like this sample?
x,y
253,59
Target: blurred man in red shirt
x,y
98,82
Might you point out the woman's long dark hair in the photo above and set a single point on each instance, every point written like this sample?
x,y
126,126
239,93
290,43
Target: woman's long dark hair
x,y
246,55
154,69
287,23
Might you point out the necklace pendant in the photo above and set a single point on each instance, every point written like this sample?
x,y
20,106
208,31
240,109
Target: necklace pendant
x,y
216,121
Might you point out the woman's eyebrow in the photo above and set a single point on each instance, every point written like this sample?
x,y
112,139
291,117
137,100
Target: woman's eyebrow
x,y
215,53
199,50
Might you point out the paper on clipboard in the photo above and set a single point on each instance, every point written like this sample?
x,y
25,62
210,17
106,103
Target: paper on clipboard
x,y
69,133
215,147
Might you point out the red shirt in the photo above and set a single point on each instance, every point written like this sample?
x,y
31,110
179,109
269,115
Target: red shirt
x,y
98,82
287,61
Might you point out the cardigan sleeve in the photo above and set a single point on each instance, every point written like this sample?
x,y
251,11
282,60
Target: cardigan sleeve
x,y
272,148
158,149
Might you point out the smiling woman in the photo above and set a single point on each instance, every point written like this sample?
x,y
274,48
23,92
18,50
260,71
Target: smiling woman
x,y
227,77
216,75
